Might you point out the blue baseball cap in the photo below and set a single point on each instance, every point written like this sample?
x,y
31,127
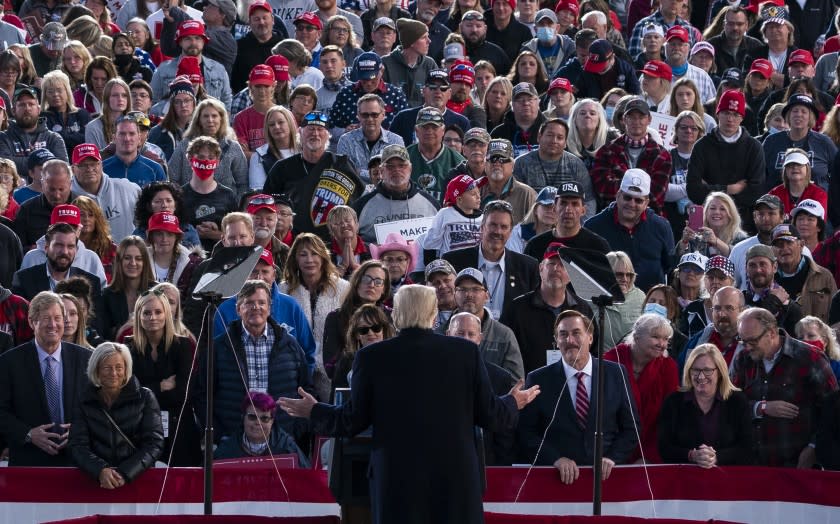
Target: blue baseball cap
x,y
367,66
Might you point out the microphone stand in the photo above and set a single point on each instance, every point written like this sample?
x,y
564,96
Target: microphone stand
x,y
212,301
601,302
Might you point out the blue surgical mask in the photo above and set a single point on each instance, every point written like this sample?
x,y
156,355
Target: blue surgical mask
x,y
545,34
658,309
610,111
772,130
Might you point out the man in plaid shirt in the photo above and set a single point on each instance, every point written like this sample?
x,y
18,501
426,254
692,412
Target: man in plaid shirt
x,y
786,382
666,17
634,149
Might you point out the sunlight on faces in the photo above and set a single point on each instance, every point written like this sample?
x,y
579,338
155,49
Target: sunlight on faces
x,y
257,424
111,372
397,264
372,285
466,327
153,316
237,234
48,326
760,271
254,310
132,262
651,345
61,251
761,342
444,285
210,121
71,319
309,262
704,376
496,230
573,340
471,296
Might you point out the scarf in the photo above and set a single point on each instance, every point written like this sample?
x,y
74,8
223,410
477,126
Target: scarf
x,y
459,107
680,70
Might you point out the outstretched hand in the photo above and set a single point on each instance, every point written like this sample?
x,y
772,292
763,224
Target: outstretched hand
x,y
298,407
524,397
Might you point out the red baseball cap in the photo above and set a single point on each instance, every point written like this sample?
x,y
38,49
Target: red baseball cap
x,y
460,185
560,83
553,250
600,52
83,151
190,28
164,221
801,56
309,18
462,71
762,66
67,214
267,257
658,69
259,4
262,74
732,100
189,67
567,5
261,201
677,31
280,64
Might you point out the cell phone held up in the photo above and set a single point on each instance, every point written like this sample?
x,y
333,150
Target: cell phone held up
x,y
695,217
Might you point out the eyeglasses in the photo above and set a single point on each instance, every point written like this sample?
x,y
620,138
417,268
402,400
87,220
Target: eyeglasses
x,y
693,129
364,330
706,372
371,281
437,87
500,160
265,419
183,102
619,274
306,28
366,116
750,342
340,30
470,290
316,116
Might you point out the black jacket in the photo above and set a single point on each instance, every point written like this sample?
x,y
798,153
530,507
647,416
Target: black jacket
x,y
32,280
71,126
828,433
491,52
23,399
287,369
532,321
424,464
10,256
510,39
679,429
96,444
521,271
33,219
114,312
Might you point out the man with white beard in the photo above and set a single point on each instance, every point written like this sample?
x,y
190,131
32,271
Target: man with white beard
x,y
263,208
502,185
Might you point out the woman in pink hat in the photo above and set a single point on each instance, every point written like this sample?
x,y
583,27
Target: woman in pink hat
x,y
399,256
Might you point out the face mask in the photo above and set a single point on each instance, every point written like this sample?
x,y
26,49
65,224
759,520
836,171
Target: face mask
x,y
817,344
203,169
657,309
122,60
610,111
772,130
545,34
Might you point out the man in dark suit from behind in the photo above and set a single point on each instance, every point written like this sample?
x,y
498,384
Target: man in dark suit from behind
x,y
39,388
507,274
568,386
61,247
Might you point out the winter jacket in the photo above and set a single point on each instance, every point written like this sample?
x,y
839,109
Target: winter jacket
x,y
231,172
714,164
650,244
16,144
511,38
117,198
382,205
285,311
165,140
33,218
10,256
279,443
287,370
821,152
96,444
523,141
410,79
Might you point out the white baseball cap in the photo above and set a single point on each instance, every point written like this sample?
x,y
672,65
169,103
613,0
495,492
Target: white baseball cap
x,y
810,206
635,182
694,258
796,157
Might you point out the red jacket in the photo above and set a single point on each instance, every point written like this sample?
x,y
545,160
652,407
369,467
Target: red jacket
x,y
813,191
657,380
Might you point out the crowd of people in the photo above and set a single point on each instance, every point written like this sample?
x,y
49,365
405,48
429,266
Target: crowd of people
x,y
464,145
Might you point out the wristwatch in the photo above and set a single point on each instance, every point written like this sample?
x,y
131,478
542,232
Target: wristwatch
x,y
28,438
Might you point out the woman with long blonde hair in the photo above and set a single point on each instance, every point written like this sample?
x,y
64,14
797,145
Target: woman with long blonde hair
x,y
116,102
588,130
721,228
75,59
281,141
497,99
60,111
75,321
528,67
212,119
163,361
686,97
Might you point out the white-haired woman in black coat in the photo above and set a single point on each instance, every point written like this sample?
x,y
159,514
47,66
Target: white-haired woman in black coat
x,y
117,432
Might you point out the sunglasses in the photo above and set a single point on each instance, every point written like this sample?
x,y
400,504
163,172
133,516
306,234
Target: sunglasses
x,y
364,330
366,116
316,116
252,417
258,201
152,291
436,87
500,160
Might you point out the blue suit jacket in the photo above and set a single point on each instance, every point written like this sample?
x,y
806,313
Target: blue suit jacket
x,y
564,437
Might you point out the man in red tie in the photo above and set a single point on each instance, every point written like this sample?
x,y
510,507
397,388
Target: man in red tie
x,y
567,403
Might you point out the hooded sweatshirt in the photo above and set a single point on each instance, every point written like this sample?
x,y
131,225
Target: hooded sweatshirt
x,y
117,198
410,79
381,206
